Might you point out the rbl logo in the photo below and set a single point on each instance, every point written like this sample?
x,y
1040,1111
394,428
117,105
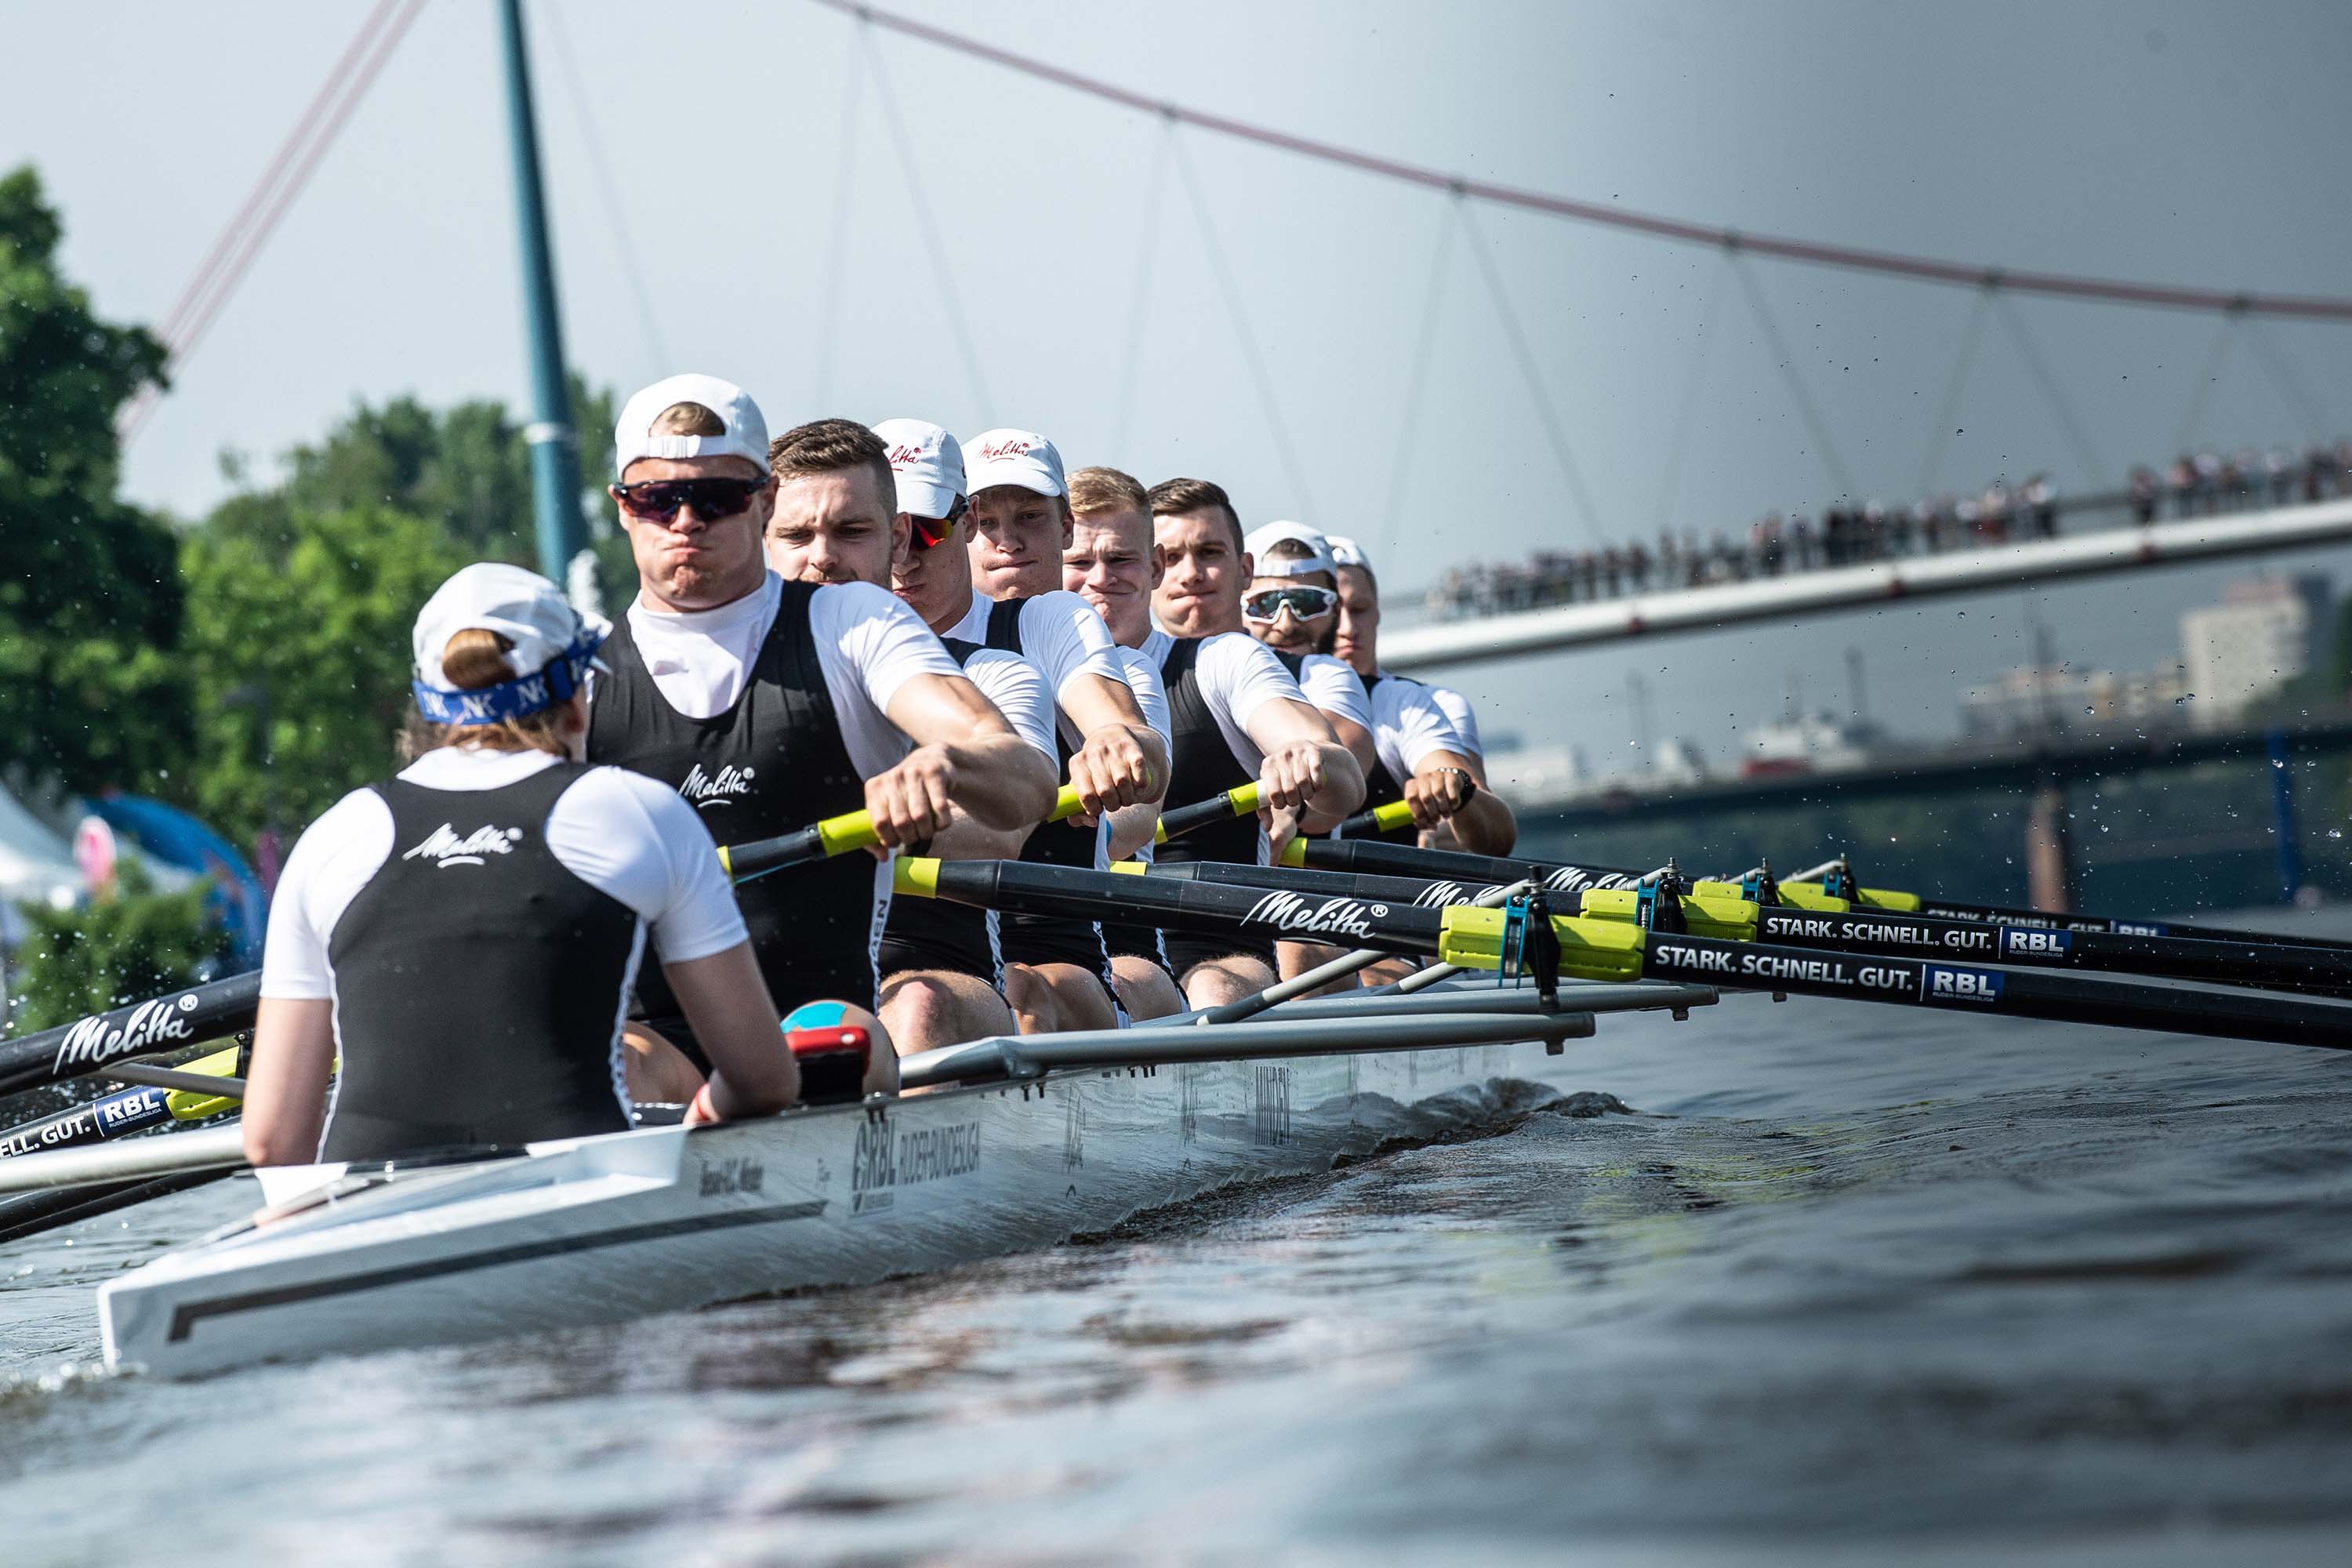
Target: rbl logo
x,y
2015,943
1946,985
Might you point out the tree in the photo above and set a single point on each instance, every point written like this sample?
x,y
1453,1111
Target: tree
x,y
302,617
89,599
134,944
465,467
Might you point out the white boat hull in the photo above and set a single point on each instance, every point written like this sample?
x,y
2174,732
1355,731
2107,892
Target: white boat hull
x,y
605,1229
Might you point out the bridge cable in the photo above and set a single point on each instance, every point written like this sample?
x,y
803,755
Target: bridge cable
x,y
1529,371
232,253
1787,364
2216,359
925,218
1154,185
2077,434
2282,370
1940,435
1417,378
616,215
844,188
1919,268
1684,415
1231,290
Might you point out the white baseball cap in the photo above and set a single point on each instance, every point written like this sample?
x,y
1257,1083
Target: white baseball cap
x,y
926,464
554,645
1271,533
1020,457
746,435
1346,552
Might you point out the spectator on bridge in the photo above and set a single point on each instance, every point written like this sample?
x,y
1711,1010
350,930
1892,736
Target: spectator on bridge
x,y
2278,465
2181,480
2208,467
2142,490
2041,498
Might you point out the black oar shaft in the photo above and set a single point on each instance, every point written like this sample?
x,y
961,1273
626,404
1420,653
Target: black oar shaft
x,y
1948,908
141,1030
1594,947
1380,858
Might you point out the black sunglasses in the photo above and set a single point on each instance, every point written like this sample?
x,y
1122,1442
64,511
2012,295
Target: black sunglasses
x,y
659,500
930,532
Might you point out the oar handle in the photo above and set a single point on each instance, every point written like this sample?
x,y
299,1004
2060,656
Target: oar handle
x,y
1396,814
1237,802
834,836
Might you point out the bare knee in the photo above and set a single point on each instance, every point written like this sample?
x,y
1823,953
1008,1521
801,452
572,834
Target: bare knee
x,y
1144,988
928,1008
1222,980
656,1071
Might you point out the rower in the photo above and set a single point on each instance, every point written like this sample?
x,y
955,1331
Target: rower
x,y
1112,564
1236,715
466,934
1058,971
1289,606
770,704
1486,826
941,966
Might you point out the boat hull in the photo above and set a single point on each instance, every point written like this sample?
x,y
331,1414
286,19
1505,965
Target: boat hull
x,y
605,1229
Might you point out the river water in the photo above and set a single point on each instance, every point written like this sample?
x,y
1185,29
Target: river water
x,y
1848,1282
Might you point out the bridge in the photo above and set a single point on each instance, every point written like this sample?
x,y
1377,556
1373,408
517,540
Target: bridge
x,y
2132,548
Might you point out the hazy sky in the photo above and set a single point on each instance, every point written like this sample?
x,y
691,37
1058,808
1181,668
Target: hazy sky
x,y
2169,142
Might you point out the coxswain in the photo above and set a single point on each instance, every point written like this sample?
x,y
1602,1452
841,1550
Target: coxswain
x,y
1008,594
854,505
771,704
1237,716
466,934
1487,826
1112,564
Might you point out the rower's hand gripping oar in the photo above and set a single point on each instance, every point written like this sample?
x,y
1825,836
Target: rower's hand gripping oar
x,y
834,836
1391,816
1234,802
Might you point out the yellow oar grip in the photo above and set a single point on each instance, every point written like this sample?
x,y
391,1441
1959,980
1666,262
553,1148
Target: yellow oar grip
x,y
1065,805
187,1105
725,862
1243,798
915,874
1390,817
1295,852
852,830
1589,950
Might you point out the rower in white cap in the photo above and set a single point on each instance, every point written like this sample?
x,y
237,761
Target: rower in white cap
x,y
770,704
466,934
1058,973
1486,826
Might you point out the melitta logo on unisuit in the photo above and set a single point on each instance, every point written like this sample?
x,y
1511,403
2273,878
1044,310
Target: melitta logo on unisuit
x,y
1289,911
707,790
443,847
146,1027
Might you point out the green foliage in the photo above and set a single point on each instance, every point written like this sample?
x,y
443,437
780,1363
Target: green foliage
x,y
89,599
307,614
135,945
465,467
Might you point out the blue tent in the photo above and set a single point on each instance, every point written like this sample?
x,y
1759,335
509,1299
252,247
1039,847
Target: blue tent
x,y
236,899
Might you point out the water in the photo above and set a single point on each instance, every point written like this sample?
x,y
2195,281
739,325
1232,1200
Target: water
x,y
1852,1282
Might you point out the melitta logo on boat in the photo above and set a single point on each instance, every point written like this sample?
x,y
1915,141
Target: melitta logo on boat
x,y
445,848
886,1159
2035,946
1437,895
707,790
1945,983
1332,917
145,1028
1576,879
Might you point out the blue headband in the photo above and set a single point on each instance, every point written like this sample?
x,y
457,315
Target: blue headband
x,y
516,698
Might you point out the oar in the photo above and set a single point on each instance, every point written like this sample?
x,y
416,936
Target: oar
x,y
133,1109
208,1011
1830,873
834,836
1386,818
1720,908
1608,950
1223,807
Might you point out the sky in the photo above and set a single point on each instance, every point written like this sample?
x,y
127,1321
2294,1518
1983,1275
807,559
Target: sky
x,y
730,189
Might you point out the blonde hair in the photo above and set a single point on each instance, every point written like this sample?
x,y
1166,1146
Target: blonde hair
x,y
1094,490
472,660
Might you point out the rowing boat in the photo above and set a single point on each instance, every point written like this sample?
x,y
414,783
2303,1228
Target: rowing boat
x,y
624,1225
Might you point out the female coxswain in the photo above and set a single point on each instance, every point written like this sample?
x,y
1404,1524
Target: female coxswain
x,y
467,934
